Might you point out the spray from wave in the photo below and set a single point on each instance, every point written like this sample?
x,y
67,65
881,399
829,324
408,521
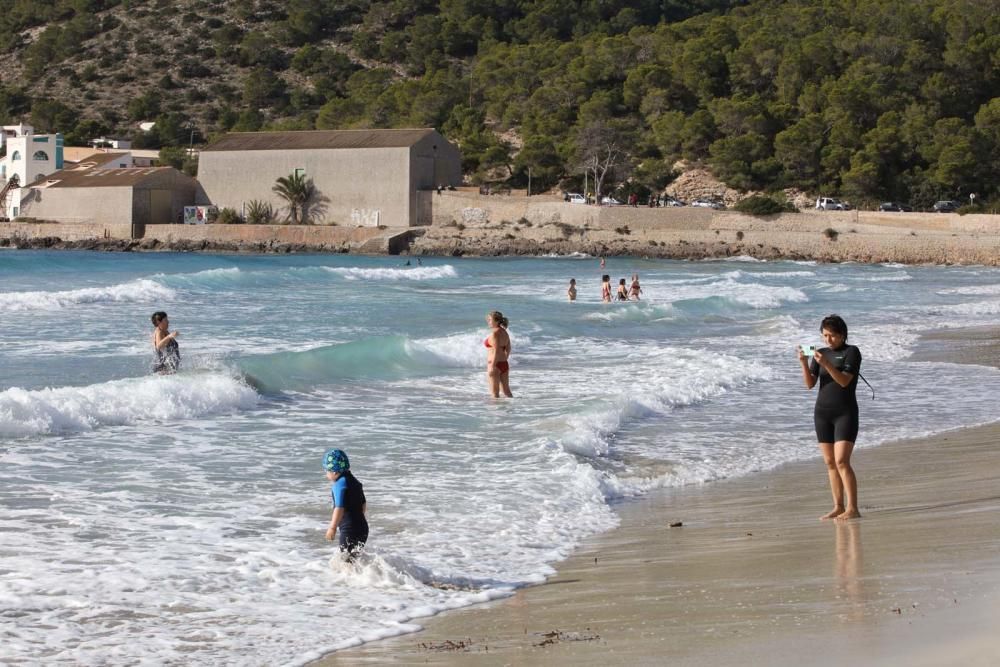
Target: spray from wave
x,y
120,402
136,291
415,273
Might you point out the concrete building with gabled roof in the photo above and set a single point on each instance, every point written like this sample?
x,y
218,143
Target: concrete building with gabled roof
x,y
135,196
363,177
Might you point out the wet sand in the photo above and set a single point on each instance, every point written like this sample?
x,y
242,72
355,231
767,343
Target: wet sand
x,y
753,577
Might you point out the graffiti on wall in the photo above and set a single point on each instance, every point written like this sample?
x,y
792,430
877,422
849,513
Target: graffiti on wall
x,y
366,217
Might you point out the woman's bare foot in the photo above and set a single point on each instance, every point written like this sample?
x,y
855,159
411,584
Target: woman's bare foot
x,y
837,511
848,514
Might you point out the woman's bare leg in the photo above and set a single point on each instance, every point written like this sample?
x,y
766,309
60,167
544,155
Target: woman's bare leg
x,y
842,455
836,485
493,382
505,385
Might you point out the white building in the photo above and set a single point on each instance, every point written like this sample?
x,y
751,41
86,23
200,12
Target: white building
x,y
30,157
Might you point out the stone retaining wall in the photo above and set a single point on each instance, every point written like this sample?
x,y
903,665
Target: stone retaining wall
x,y
67,231
474,210
293,234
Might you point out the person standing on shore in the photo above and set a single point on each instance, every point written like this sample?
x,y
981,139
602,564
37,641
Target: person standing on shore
x,y
837,367
571,292
606,288
498,355
349,504
168,352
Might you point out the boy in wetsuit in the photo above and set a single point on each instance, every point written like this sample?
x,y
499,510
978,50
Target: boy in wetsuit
x,y
349,504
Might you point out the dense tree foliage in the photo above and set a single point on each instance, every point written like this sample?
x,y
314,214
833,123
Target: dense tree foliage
x,y
878,100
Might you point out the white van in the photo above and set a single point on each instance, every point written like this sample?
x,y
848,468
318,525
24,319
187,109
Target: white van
x,y
831,204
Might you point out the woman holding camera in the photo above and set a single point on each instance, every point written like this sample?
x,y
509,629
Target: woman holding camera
x,y
837,368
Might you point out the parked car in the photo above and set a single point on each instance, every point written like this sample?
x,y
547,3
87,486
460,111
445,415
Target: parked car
x,y
610,201
670,201
947,206
894,206
707,203
831,204
575,198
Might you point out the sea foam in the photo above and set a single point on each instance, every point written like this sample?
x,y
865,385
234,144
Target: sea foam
x,y
154,398
136,291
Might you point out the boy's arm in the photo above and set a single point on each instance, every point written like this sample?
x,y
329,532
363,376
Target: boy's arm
x,y
338,514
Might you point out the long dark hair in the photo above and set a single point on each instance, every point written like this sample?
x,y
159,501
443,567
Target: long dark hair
x,y
158,317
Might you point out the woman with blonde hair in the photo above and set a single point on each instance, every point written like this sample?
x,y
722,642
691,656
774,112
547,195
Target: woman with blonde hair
x,y
498,355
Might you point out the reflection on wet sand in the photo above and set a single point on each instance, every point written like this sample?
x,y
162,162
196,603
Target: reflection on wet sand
x,y
847,569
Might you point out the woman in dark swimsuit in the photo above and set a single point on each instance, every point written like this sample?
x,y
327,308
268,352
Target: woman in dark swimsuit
x,y
168,352
836,368
622,290
497,355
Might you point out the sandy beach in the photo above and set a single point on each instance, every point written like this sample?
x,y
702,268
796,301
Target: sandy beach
x,y
753,577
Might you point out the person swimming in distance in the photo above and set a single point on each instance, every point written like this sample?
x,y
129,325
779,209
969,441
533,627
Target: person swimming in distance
x,y
168,352
836,368
606,288
571,292
622,290
498,355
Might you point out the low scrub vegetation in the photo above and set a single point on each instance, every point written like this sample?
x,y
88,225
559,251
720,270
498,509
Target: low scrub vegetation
x,y
762,205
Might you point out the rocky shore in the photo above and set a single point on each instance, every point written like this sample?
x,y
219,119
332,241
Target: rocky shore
x,y
469,226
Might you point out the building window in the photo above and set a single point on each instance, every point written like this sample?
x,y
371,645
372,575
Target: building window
x,y
40,155
15,156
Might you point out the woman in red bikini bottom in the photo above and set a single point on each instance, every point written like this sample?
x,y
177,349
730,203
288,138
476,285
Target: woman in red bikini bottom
x,y
497,355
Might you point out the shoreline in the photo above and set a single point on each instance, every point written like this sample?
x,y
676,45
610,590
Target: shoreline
x,y
750,576
463,225
683,252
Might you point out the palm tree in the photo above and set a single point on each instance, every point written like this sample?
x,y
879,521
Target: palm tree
x,y
298,192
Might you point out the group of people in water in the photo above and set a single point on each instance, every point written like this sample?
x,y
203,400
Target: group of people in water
x,y
626,291
836,368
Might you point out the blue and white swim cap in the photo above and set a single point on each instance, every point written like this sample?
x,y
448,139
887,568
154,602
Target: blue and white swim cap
x,y
335,460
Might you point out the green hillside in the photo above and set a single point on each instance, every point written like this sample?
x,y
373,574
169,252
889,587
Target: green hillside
x,y
868,100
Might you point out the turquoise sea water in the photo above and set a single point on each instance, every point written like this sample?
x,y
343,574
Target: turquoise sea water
x,y
180,519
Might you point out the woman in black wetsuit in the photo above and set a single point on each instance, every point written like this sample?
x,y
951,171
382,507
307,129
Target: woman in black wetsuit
x,y
837,368
168,352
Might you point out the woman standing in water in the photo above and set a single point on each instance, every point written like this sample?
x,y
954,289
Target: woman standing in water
x,y
497,355
622,290
837,368
606,288
168,352
634,291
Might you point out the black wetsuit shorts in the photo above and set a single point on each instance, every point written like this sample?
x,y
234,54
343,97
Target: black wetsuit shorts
x,y
352,541
836,426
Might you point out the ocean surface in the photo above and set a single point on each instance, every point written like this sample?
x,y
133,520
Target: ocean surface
x,y
179,519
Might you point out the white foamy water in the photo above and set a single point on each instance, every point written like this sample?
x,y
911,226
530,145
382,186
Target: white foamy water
x,y
157,398
137,291
409,273
179,519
